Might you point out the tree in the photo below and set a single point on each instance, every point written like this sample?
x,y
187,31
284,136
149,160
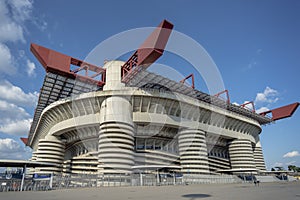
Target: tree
x,y
294,168
279,168
273,170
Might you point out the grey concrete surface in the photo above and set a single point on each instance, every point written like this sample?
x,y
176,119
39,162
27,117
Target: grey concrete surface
x,y
266,191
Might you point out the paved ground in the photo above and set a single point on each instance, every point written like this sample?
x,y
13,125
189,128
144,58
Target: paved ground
x,y
266,191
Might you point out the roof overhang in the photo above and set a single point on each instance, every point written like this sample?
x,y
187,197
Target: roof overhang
x,y
56,87
25,163
146,79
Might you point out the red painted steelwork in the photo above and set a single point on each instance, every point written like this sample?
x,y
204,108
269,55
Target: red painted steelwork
x,y
249,102
282,112
59,63
227,95
148,52
193,80
24,140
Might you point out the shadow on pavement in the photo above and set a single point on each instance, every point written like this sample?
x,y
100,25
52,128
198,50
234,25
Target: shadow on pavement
x,y
196,196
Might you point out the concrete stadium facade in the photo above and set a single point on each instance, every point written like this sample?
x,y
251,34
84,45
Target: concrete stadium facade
x,y
121,129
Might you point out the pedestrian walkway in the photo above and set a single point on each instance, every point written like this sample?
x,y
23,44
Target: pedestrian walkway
x,y
245,191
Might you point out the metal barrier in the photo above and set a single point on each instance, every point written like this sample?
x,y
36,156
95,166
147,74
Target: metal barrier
x,y
209,179
69,181
74,181
29,185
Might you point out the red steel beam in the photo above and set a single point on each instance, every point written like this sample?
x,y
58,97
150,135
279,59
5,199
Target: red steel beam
x,y
59,63
193,80
249,102
282,112
24,140
152,48
227,95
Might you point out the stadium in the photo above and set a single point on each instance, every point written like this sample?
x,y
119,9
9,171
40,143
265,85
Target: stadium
x,y
131,120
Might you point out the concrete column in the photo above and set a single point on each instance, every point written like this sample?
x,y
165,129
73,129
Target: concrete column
x,y
33,157
113,75
259,158
50,150
241,154
193,151
116,135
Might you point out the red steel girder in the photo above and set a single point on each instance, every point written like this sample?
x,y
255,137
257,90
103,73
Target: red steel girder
x,y
193,80
59,63
227,95
152,48
249,102
282,112
24,140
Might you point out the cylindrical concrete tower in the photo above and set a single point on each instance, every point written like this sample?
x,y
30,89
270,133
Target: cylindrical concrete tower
x,y
50,150
258,157
241,154
33,157
116,136
193,151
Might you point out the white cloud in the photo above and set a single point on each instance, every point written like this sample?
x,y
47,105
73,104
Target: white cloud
x,y
11,149
278,164
11,32
9,145
14,120
17,128
11,22
16,95
21,54
268,96
13,16
40,22
291,163
21,9
11,111
30,68
7,61
262,109
291,154
248,105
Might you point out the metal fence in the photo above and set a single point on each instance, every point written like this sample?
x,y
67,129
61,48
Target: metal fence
x,y
210,179
29,185
139,179
69,181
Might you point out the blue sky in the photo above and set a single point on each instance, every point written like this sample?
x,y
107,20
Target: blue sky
x,y
255,44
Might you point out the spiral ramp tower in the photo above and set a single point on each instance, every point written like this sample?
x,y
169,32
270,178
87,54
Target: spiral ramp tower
x,y
193,151
116,141
116,135
50,150
259,158
241,155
